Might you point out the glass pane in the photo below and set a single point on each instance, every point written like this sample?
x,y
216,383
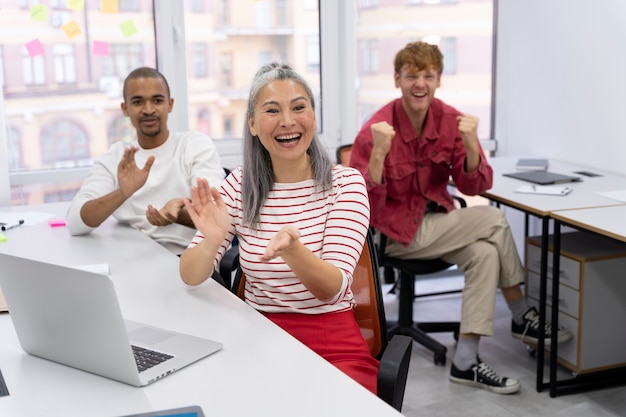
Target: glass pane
x,y
463,29
62,73
233,39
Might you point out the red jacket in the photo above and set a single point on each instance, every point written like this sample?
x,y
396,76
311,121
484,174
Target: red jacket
x,y
416,169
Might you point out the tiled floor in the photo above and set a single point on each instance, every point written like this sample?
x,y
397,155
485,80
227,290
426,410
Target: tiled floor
x,y
430,393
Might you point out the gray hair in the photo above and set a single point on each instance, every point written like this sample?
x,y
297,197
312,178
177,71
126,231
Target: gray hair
x,y
258,175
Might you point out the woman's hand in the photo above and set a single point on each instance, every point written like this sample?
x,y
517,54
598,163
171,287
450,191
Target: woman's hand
x,y
208,211
281,243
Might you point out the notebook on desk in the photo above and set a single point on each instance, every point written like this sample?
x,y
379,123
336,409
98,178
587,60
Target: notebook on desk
x,y
543,177
72,316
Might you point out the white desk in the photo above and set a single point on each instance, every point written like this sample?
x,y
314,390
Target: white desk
x,y
261,370
605,221
584,195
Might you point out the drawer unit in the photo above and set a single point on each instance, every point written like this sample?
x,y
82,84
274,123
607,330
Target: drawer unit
x,y
592,298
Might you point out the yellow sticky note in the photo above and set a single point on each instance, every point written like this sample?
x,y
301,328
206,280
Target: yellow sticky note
x,y
108,6
128,28
76,4
71,29
3,238
39,12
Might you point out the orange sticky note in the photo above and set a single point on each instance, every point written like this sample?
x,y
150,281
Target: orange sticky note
x,y
71,29
109,6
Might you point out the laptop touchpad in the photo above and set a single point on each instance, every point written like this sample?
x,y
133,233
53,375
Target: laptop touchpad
x,y
148,336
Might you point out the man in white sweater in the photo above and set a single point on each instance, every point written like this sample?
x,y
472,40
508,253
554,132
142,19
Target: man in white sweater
x,y
143,185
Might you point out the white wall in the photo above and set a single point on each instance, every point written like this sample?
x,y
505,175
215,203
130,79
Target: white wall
x,y
561,81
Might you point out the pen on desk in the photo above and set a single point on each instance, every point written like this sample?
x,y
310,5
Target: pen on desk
x,y
11,226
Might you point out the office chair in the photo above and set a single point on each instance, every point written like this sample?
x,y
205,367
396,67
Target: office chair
x,y
395,353
406,272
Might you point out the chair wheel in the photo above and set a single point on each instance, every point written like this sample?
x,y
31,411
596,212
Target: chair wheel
x,y
456,336
440,359
531,350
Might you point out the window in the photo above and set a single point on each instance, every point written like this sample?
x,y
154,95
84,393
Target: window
x,y
313,53
199,56
33,68
63,144
1,68
467,50
368,56
120,129
43,144
226,69
228,128
64,64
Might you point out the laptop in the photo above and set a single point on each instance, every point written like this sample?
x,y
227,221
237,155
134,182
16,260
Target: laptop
x,y
543,177
72,316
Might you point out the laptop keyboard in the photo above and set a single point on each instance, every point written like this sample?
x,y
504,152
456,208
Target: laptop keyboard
x,y
146,358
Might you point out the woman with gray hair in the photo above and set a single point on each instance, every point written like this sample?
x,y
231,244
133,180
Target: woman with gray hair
x,y
301,224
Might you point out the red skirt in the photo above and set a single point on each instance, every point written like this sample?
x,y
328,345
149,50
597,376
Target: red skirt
x,y
337,338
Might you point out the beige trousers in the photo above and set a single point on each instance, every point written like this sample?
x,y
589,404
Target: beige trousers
x,y
479,241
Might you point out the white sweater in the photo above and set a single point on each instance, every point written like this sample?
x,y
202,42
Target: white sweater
x,y
179,162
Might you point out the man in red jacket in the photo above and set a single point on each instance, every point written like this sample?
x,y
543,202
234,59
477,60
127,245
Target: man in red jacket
x,y
407,152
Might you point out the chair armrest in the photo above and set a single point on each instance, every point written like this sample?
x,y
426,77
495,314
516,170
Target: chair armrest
x,y
460,200
394,369
228,264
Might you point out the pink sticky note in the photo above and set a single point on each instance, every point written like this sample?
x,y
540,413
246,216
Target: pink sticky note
x,y
100,48
56,223
34,48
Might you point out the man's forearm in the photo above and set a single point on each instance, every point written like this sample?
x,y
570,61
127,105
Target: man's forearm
x,y
96,211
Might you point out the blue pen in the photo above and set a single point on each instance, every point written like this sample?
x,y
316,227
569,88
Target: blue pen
x,y
11,226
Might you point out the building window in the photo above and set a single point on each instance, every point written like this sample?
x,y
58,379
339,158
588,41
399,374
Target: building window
x,y
448,49
225,12
368,4
14,145
281,13
199,60
203,123
1,68
121,129
197,6
62,143
33,69
64,64
128,5
313,53
368,56
226,69
122,59
229,131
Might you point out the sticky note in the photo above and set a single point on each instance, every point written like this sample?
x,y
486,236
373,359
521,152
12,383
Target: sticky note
x,y
108,6
3,238
34,48
128,28
76,4
39,12
100,48
56,223
71,29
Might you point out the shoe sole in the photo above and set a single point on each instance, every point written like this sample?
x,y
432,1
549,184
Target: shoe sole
x,y
547,342
496,390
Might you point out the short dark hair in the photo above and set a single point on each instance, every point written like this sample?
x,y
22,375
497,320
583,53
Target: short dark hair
x,y
145,72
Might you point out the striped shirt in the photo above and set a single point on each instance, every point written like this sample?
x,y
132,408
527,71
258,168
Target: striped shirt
x,y
333,224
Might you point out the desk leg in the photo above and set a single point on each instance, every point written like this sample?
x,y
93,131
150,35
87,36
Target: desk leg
x,y
554,346
543,282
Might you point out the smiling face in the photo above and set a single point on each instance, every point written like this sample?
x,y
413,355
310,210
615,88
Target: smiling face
x,y
147,104
418,89
284,121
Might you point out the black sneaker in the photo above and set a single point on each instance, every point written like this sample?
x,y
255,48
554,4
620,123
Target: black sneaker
x,y
482,376
529,332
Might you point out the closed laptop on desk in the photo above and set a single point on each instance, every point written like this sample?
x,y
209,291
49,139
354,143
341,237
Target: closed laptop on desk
x,y
72,316
543,177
